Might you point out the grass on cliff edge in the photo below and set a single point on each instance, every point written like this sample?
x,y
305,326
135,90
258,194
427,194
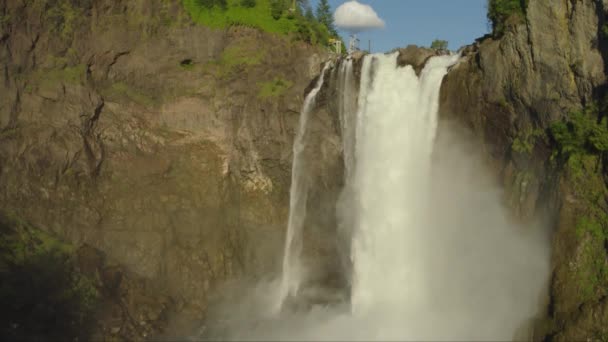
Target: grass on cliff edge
x,y
261,17
258,16
275,88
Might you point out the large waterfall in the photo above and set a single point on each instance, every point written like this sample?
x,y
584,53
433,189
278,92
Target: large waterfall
x,y
425,240
397,120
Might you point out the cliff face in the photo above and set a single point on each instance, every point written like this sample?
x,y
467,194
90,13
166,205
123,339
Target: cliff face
x,y
511,92
167,146
164,144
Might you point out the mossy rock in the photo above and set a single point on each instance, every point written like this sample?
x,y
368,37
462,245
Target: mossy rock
x,y
42,295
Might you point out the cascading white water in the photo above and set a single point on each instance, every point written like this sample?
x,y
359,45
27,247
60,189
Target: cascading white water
x,y
397,119
346,104
456,268
298,195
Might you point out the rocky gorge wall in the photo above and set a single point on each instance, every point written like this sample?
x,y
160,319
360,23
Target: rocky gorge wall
x,y
165,148
510,93
163,145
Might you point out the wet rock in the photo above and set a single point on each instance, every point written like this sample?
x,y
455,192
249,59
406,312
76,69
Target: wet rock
x,y
415,56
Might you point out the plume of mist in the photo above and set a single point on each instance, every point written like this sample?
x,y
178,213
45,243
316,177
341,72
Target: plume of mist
x,y
486,273
354,16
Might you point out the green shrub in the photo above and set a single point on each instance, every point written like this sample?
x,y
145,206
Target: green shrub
x,y
581,133
276,8
248,3
5,19
439,44
223,4
64,17
500,11
267,15
525,141
42,295
274,88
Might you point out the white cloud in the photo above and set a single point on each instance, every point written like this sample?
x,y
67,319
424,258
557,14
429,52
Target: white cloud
x,y
355,16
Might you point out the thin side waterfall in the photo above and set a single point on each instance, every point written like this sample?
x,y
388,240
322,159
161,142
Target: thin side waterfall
x,y
397,119
347,106
298,195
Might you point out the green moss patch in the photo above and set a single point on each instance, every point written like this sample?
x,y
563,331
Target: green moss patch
x,y
61,75
524,143
39,286
239,57
64,17
274,88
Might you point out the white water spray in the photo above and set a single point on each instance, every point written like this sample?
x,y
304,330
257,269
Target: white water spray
x,y
298,195
397,123
433,253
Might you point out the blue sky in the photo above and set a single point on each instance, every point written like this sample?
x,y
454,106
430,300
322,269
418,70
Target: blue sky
x,y
421,21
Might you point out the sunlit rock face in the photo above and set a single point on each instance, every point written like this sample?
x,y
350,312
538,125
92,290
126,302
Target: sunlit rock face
x,y
168,147
159,142
509,92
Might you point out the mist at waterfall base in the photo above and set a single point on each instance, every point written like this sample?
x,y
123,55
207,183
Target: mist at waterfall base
x,y
434,253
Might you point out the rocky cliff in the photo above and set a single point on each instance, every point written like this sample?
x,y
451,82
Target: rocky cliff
x,y
516,93
162,144
161,150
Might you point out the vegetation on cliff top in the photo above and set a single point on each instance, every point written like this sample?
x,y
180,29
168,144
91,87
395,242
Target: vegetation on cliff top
x,y
274,16
500,12
439,44
42,296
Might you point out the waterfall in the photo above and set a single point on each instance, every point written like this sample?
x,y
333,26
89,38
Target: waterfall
x,y
426,242
396,124
298,195
346,106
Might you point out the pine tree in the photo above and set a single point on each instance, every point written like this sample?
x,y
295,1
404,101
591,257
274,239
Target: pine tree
x,y
325,17
276,8
309,14
439,44
303,5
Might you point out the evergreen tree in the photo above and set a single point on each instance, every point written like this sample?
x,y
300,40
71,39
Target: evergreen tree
x,y
325,17
309,14
439,44
303,5
276,8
